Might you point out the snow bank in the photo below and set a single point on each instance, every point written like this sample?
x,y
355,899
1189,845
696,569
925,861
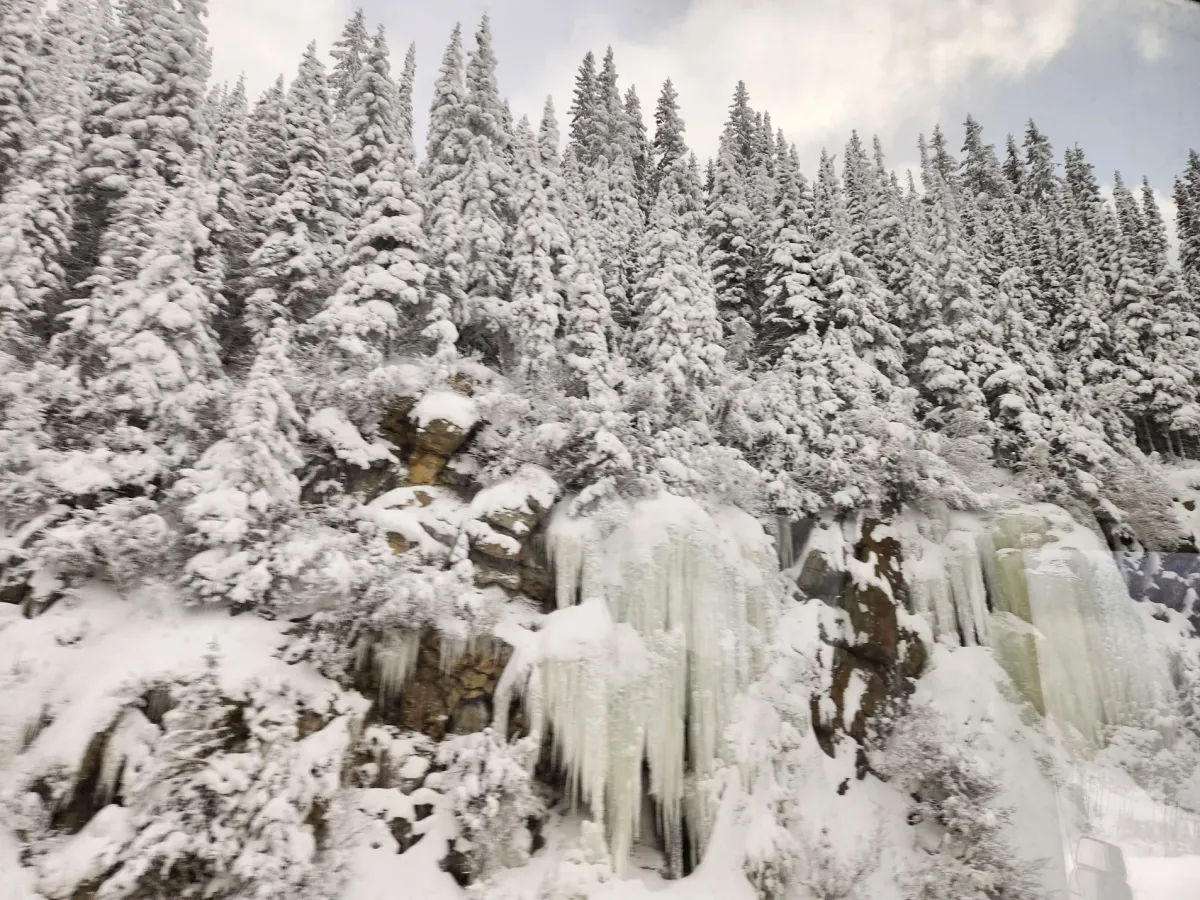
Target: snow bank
x,y
77,665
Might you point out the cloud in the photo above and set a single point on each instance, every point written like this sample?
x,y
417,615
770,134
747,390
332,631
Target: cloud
x,y
266,38
823,67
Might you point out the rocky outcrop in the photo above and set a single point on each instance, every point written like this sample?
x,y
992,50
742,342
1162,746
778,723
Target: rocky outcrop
x,y
875,660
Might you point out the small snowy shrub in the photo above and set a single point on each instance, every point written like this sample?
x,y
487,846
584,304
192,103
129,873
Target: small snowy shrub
x,y
123,541
230,804
823,874
490,793
957,807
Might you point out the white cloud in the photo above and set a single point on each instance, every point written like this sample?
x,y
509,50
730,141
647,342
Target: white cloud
x,y
266,38
823,67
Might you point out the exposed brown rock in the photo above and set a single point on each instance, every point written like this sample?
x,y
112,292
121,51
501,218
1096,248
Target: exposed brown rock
x,y
820,580
459,701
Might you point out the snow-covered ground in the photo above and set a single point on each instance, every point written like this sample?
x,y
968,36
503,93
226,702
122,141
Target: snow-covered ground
x,y
1160,878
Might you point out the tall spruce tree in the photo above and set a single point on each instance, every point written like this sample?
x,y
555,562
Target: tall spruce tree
x,y
20,37
730,253
384,268
293,269
349,53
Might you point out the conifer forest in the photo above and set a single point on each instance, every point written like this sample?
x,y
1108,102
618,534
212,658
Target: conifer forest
x,y
527,508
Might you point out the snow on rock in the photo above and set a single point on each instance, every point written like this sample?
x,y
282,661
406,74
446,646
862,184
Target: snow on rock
x,y
84,660
332,426
88,855
445,406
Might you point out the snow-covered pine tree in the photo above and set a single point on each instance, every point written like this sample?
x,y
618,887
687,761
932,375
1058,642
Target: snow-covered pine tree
x,y
150,84
612,194
729,252
678,339
790,293
267,159
231,225
854,300
1014,165
669,146
20,37
245,488
350,54
641,148
743,126
953,348
1175,336
1041,185
940,163
1187,204
228,802
143,338
589,330
404,95
487,203
292,271
585,111
540,245
385,271
36,208
442,168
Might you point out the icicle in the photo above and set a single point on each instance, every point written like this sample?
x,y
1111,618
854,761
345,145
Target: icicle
x,y
671,608
396,661
127,745
967,588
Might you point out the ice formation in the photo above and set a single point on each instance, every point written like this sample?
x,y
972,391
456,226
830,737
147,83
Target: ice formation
x,y
1048,598
658,628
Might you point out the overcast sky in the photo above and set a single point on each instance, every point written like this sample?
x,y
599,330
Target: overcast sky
x,y
1118,77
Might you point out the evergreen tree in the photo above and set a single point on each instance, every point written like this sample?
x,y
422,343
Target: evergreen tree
x,y
729,253
447,149
150,86
1041,185
641,149
1014,166
791,300
233,233
293,269
245,488
669,147
350,54
612,194
404,104
36,209
1187,203
743,128
678,339
267,157
953,348
585,112
19,44
540,246
487,202
854,300
384,268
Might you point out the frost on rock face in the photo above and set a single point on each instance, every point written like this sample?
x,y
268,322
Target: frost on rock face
x,y
659,627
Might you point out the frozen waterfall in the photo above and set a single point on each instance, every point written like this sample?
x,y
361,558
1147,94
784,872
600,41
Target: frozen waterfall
x,y
1047,596
659,626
